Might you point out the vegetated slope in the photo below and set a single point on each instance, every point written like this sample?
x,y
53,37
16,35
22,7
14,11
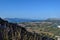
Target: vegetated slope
x,y
48,26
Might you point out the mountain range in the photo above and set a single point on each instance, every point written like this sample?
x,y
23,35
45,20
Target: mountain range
x,y
17,20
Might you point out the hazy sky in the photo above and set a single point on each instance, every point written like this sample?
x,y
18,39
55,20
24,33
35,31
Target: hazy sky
x,y
35,9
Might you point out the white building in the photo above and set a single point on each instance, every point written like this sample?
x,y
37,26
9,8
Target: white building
x,y
58,26
58,37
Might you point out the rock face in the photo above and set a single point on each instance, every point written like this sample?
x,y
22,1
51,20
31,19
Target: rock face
x,y
12,31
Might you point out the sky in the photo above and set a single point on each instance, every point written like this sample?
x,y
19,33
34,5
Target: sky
x,y
33,9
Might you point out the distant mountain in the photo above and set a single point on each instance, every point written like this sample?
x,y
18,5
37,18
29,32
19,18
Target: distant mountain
x,y
17,20
53,20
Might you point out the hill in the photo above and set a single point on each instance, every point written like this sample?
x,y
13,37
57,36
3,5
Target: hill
x,y
49,25
12,31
